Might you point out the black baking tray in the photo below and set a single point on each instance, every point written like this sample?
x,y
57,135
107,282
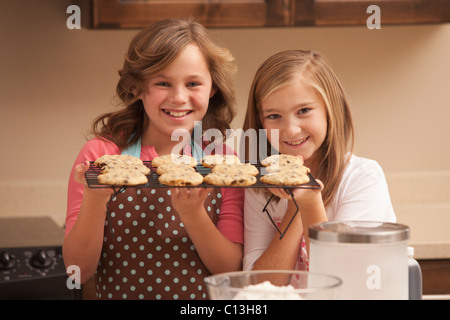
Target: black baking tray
x,y
93,172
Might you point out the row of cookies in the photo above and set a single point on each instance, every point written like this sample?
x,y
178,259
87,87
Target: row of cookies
x,y
178,170
226,170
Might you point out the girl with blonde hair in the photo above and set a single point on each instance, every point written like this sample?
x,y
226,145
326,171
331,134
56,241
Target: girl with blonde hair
x,y
158,243
296,94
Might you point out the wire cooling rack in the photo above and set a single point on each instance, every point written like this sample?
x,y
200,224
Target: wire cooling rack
x,y
93,172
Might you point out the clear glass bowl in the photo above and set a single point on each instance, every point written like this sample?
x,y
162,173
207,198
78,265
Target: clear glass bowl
x,y
273,285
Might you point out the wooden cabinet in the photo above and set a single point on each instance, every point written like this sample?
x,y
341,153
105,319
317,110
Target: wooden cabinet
x,y
435,276
211,13
262,13
354,12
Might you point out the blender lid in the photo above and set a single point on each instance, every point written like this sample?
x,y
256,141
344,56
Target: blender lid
x,y
358,232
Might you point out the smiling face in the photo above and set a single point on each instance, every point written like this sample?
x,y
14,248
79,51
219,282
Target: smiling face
x,y
177,96
300,115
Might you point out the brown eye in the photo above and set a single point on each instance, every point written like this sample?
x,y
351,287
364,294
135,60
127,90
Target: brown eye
x,y
304,110
273,116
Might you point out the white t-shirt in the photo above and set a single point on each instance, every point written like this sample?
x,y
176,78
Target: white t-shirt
x,y
362,195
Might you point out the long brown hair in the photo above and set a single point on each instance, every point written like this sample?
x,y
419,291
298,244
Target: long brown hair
x,y
281,68
149,53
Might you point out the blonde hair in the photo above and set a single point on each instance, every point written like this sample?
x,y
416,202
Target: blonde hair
x,y
149,53
280,69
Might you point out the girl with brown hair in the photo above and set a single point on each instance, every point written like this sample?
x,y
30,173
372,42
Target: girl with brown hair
x,y
158,243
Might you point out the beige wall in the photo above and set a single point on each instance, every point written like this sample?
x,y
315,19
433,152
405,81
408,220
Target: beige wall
x,y
54,81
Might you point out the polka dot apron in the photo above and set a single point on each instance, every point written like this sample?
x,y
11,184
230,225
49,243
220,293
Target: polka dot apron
x,y
147,253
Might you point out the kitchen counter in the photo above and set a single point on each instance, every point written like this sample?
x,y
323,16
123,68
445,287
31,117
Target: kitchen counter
x,y
429,233
431,250
421,201
30,231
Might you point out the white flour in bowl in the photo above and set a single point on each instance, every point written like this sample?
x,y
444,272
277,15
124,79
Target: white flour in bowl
x,y
267,291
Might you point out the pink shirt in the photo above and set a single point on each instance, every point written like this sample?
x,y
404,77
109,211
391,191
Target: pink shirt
x,y
230,221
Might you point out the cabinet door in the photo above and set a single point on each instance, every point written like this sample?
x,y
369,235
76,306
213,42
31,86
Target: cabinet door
x,y
262,13
211,13
354,12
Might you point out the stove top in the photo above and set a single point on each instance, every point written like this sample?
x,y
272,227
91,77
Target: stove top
x,y
31,262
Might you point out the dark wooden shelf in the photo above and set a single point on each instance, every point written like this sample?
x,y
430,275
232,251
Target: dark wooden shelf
x,y
435,276
261,13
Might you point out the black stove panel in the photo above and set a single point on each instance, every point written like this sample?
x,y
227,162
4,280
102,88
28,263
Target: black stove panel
x,y
33,273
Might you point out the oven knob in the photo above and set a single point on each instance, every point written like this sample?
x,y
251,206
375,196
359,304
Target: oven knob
x,y
41,260
6,261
